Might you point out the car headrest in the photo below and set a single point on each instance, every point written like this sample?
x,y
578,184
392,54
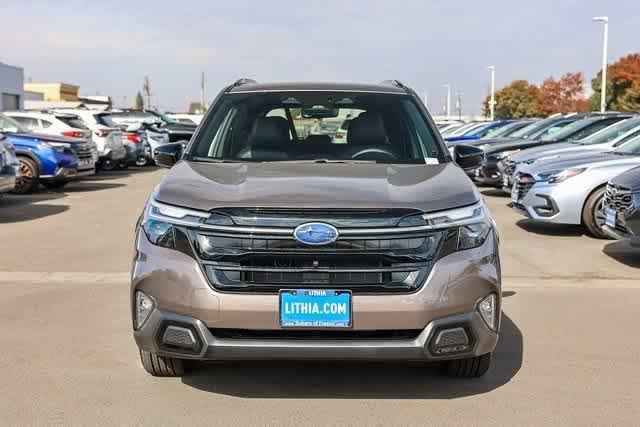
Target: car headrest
x,y
367,129
269,132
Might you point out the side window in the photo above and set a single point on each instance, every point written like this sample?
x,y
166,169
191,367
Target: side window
x,y
28,122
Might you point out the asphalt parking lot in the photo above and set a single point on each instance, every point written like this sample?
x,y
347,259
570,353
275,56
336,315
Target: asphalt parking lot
x,y
568,353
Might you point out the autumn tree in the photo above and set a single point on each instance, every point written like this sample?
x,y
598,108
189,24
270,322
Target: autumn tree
x,y
517,100
564,95
623,85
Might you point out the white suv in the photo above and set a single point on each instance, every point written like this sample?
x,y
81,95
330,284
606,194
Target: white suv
x,y
54,123
105,133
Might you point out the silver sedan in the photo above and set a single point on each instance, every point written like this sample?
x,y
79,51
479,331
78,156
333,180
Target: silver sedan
x,y
570,190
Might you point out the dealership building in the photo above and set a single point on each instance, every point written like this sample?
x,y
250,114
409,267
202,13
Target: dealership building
x,y
11,87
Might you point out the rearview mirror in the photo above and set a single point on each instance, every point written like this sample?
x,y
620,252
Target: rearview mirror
x,y
468,156
168,155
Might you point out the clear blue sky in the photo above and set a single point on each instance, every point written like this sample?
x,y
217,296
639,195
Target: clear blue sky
x,y
108,47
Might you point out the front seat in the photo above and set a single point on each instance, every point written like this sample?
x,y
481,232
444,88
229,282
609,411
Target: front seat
x,y
367,132
268,140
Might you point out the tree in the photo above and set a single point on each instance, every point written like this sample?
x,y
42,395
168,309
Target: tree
x,y
517,100
564,95
623,85
139,101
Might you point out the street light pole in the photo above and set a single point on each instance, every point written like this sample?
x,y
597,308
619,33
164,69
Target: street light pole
x,y
448,106
605,42
492,101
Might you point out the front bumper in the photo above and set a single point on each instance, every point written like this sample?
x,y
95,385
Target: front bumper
x,y
558,203
183,296
208,346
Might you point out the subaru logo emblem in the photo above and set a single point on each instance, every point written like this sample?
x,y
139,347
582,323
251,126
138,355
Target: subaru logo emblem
x,y
315,233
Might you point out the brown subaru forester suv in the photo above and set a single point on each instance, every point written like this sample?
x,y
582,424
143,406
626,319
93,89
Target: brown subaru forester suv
x,y
315,221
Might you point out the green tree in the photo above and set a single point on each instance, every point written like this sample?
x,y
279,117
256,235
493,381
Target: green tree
x,y
139,101
517,100
623,85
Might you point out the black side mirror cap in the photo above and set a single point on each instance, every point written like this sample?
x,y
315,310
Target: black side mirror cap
x,y
168,155
468,156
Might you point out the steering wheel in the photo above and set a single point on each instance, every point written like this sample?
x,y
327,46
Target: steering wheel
x,y
374,153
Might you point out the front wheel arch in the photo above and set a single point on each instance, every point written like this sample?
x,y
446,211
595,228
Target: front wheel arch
x,y
587,213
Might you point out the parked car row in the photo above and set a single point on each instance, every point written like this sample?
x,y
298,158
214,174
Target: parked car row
x,y
579,169
53,147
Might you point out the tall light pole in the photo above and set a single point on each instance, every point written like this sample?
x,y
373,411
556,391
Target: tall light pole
x,y
605,42
447,110
492,101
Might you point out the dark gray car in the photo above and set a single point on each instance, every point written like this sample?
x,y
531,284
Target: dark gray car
x,y
268,239
622,207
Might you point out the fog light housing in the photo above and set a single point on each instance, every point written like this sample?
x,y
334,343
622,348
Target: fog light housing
x,y
144,307
489,312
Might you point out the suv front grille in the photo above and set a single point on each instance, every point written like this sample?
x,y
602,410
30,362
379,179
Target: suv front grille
x,y
508,167
618,198
397,262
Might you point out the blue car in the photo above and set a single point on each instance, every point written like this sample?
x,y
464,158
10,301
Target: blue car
x,y
49,160
476,133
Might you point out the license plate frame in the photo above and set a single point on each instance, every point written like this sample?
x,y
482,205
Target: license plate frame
x,y
291,318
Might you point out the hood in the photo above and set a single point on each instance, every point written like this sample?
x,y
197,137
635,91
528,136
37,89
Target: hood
x,y
513,144
42,137
545,152
207,186
629,179
490,141
590,159
180,127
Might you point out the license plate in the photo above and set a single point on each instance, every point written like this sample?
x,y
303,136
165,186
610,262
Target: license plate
x,y
315,308
505,181
86,162
478,173
610,217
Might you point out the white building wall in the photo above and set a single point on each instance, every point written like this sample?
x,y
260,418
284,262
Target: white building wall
x,y
11,87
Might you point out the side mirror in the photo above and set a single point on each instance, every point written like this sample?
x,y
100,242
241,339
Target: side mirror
x,y
168,155
468,156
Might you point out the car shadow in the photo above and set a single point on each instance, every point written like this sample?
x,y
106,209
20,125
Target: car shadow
x,y
355,380
19,208
494,192
548,229
83,186
121,173
623,252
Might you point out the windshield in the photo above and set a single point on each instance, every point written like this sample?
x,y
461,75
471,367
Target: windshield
x,y
308,126
533,128
610,133
506,130
7,124
72,121
568,130
630,147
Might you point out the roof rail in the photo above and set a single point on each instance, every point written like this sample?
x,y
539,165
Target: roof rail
x,y
243,81
396,83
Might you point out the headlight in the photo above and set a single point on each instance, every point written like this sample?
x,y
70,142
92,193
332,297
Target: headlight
x,y
159,222
561,176
473,224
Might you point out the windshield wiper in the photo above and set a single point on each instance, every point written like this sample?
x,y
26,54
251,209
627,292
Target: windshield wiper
x,y
212,160
329,161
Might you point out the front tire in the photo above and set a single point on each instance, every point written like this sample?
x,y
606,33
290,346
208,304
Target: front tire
x,y
593,214
472,367
161,366
29,176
